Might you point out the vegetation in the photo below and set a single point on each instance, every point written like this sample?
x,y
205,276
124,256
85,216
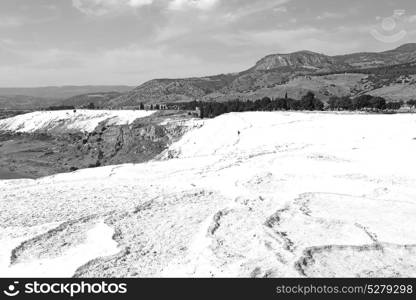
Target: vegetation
x,y
359,103
411,103
60,107
385,75
212,109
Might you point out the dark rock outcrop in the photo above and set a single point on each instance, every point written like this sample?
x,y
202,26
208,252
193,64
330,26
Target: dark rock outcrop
x,y
36,155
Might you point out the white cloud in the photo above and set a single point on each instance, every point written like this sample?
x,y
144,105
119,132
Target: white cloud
x,y
104,7
255,7
330,15
198,4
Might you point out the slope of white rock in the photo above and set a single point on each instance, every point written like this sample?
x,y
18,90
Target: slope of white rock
x,y
294,194
98,242
68,120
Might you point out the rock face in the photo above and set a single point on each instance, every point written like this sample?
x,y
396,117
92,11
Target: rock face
x,y
137,143
40,154
261,80
303,59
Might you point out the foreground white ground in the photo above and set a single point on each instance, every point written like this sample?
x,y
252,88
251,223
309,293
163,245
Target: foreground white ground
x,y
69,120
293,195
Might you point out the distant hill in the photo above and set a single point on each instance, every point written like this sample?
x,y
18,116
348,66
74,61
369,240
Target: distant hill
x,y
276,74
23,102
400,55
40,97
391,74
173,90
63,92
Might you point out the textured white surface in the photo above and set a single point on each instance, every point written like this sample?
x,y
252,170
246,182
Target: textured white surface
x,y
295,194
98,243
81,120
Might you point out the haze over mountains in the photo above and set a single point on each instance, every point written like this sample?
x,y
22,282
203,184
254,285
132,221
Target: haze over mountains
x,y
390,74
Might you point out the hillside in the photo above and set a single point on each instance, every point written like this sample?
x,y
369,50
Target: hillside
x,y
302,59
276,74
26,102
172,90
248,205
69,121
403,54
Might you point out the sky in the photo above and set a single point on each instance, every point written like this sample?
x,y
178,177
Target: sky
x,y
127,42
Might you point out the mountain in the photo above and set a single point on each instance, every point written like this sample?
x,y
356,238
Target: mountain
x,y
301,59
61,92
41,97
97,99
391,74
173,90
24,102
277,74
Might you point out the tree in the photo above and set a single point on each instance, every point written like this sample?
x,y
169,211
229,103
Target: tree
x,y
411,102
363,101
294,104
141,106
281,104
378,103
318,104
333,103
90,106
345,103
307,101
394,105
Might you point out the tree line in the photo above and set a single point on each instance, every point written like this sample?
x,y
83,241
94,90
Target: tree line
x,y
309,102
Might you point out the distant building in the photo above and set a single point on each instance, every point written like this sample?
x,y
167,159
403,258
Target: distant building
x,y
156,106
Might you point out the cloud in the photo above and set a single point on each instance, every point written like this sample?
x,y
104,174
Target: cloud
x,y
104,7
187,4
330,15
238,9
8,22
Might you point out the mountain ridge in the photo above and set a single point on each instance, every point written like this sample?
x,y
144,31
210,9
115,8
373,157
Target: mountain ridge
x,y
266,76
